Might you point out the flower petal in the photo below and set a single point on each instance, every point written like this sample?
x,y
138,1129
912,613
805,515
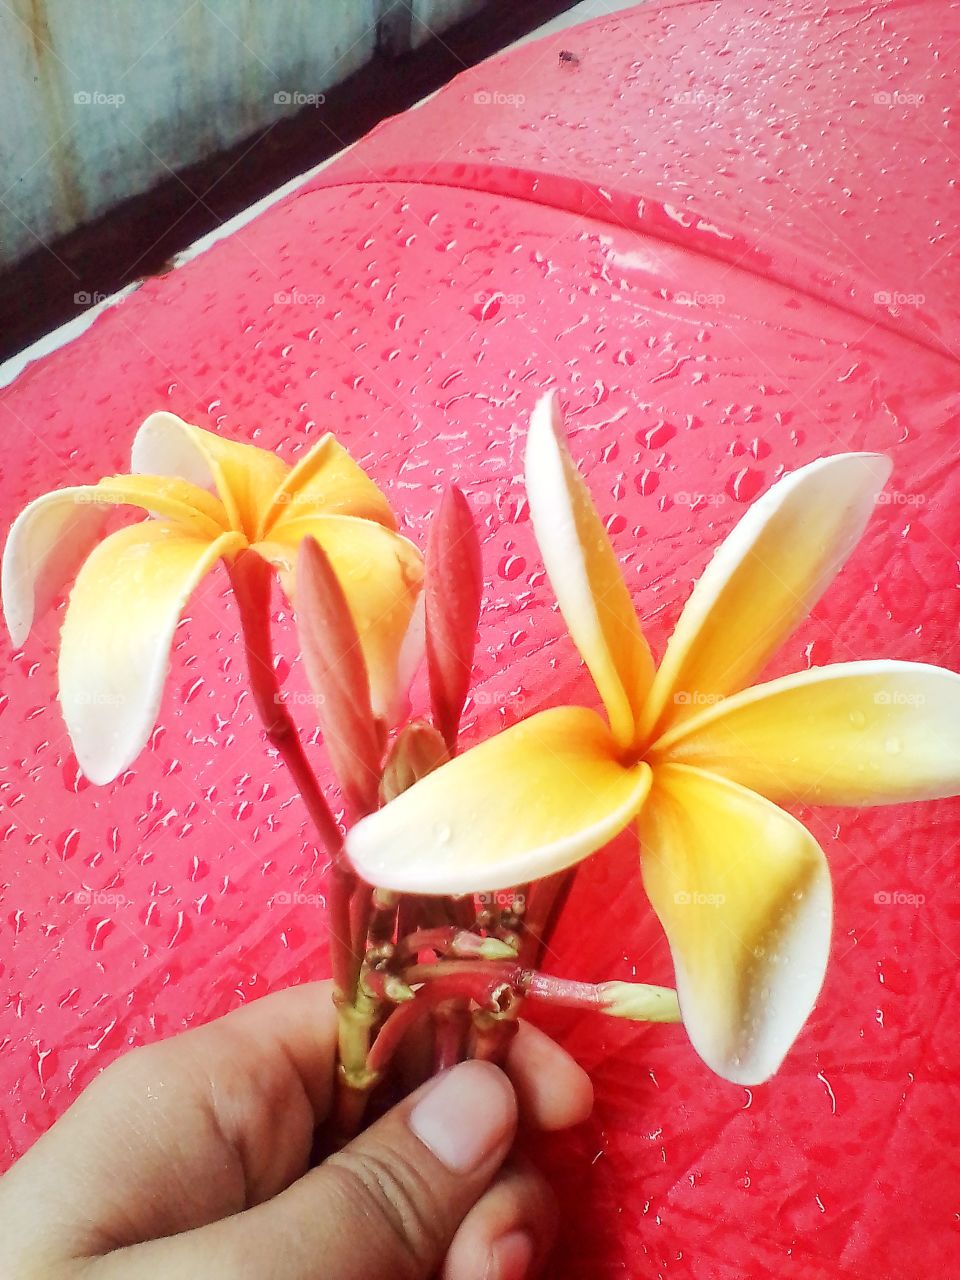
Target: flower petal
x,y
532,800
115,643
584,573
50,538
380,573
762,581
854,733
327,481
245,477
743,893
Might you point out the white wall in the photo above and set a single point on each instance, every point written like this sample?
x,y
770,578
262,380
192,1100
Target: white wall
x,y
103,98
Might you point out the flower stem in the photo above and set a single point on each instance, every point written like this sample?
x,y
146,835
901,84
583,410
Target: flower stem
x,y
450,1022
548,900
252,578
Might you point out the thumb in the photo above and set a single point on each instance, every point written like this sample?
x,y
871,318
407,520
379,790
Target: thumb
x,y
388,1205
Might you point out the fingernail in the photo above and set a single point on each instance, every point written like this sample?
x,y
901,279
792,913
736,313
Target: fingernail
x,y
511,1257
465,1115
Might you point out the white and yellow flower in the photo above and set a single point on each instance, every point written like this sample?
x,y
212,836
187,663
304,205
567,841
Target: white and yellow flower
x,y
208,499
698,758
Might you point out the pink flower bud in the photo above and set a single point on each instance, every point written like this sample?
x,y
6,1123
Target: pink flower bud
x,y
452,588
338,676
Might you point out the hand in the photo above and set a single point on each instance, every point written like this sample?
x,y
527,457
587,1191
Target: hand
x,y
191,1158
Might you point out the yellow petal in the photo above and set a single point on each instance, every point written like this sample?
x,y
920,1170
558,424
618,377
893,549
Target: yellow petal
x,y
50,538
245,477
116,637
584,573
380,573
327,481
855,733
532,800
762,581
743,893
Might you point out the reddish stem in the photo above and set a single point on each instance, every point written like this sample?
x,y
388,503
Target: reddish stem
x,y
478,980
438,939
491,1037
401,1021
252,579
540,919
450,1023
465,979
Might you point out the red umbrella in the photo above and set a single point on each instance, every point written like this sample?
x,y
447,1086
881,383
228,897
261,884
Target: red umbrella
x,y
725,236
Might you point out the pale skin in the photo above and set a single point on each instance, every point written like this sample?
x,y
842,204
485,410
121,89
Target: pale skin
x,y
192,1157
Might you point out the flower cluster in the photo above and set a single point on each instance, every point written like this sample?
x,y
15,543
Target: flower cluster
x,y
448,883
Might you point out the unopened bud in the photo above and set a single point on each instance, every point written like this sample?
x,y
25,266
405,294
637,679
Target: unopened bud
x,y
417,751
638,1002
396,989
470,945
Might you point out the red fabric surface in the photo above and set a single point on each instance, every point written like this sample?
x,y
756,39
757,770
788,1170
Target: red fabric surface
x,y
719,192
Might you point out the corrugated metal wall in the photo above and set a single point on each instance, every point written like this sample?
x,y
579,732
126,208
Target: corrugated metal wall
x,y
103,98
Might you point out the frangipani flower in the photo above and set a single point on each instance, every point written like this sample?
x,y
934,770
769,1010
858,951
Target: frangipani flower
x,y
700,760
208,499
